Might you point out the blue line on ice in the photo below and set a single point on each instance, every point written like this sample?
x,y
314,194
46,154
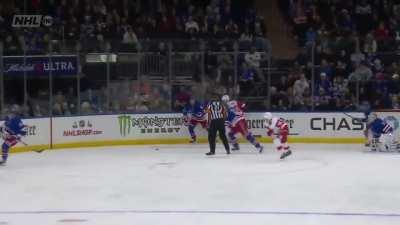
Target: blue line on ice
x,y
226,212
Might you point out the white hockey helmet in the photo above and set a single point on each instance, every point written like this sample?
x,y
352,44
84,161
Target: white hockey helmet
x,y
372,117
14,110
268,116
225,98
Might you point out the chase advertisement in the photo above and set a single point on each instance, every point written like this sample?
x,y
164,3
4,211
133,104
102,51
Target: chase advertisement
x,y
40,65
313,124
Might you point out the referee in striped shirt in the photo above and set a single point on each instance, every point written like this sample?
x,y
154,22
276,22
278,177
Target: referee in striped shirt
x,y
216,117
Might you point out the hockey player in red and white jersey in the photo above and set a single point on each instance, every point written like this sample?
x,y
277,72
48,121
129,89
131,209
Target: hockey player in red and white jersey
x,y
278,129
236,123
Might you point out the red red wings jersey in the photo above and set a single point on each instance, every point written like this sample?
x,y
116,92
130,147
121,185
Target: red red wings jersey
x,y
235,112
279,125
237,107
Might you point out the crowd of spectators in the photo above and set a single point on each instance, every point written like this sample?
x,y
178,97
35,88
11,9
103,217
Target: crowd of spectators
x,y
121,25
134,25
124,96
353,45
348,58
127,25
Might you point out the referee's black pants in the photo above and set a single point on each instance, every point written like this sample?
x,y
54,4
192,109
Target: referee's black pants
x,y
217,125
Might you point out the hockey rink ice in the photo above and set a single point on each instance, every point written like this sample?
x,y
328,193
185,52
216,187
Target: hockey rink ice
x,y
178,185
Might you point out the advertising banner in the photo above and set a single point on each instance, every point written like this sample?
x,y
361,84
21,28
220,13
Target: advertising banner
x,y
83,128
164,126
151,125
38,131
59,65
312,124
150,128
118,127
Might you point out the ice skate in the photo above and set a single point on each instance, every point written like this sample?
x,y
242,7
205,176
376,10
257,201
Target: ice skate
x,y
235,147
260,149
286,154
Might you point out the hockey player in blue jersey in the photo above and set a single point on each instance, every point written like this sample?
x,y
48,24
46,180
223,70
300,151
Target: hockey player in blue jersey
x,y
236,123
382,132
193,114
11,131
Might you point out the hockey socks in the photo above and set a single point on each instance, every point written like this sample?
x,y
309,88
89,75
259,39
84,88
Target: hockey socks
x,y
235,147
253,140
191,130
233,141
232,137
192,134
4,152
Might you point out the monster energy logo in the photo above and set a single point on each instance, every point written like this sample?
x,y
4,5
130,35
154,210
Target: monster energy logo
x,y
126,123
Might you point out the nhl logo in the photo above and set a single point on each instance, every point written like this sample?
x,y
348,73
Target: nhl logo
x,y
31,21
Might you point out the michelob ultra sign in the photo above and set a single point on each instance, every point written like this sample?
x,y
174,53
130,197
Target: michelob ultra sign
x,y
40,65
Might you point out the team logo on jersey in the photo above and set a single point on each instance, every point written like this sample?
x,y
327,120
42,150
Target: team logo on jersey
x,y
392,121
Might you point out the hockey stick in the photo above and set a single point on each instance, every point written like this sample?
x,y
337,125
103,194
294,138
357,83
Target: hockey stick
x,y
363,120
35,150
356,118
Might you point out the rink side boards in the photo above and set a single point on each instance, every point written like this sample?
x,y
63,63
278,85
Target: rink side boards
x,y
153,129
203,140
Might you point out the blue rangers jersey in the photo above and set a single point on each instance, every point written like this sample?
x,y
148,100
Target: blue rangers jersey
x,y
379,127
14,126
235,112
230,119
194,111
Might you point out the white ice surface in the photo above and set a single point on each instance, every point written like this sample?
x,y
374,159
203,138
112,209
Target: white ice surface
x,y
318,184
